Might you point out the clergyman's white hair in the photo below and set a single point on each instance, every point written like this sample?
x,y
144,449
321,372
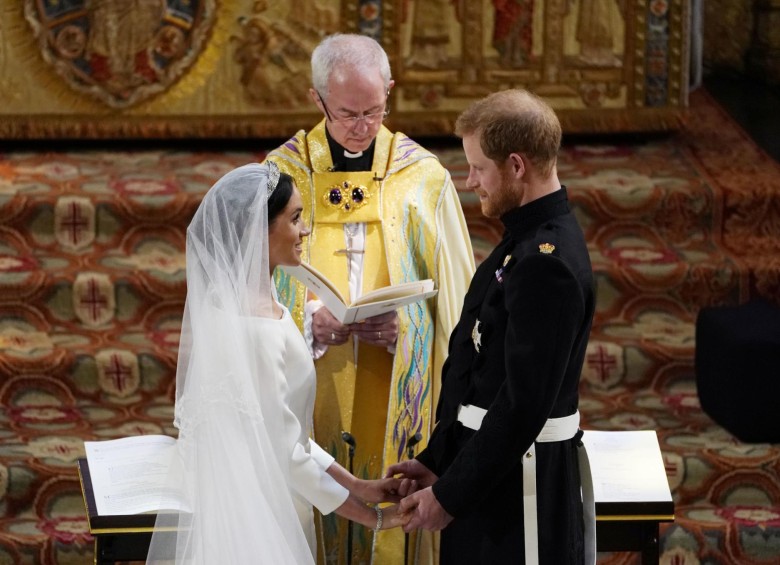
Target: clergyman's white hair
x,y
359,52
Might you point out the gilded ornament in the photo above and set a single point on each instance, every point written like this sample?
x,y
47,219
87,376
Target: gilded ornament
x,y
346,196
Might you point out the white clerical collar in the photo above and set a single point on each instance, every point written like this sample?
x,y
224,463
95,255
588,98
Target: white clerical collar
x,y
349,155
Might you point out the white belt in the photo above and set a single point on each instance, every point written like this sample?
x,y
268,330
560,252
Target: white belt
x,y
555,429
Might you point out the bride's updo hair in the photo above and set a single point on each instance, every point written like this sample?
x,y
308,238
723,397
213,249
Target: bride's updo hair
x,y
280,196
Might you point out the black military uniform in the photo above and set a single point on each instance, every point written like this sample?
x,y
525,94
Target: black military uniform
x,y
517,351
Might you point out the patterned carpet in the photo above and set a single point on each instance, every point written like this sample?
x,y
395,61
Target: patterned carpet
x,y
92,288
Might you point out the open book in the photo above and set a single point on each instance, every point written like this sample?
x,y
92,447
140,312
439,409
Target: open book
x,y
372,303
628,471
130,475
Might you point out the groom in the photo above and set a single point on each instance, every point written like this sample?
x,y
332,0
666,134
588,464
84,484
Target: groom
x,y
499,475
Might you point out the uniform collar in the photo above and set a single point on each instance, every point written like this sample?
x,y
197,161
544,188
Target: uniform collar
x,y
530,216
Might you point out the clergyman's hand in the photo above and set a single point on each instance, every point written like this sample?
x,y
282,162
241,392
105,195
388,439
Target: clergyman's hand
x,y
379,330
327,329
424,512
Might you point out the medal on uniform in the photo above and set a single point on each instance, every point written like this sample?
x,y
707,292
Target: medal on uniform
x,y
500,271
476,336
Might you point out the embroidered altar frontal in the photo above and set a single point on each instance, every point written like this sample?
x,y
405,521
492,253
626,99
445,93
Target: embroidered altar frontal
x,y
240,68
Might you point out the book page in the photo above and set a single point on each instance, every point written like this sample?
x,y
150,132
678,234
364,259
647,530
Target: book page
x,y
410,289
130,475
362,311
322,287
314,281
378,301
627,466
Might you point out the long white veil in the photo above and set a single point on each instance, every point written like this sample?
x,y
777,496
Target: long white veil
x,y
232,472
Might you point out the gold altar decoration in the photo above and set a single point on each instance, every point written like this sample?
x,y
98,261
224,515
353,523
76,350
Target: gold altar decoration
x,y
240,68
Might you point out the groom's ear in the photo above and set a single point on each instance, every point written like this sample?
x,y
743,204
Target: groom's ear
x,y
517,165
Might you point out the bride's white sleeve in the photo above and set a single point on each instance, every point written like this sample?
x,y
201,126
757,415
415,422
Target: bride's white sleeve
x,y
311,480
308,465
322,457
231,464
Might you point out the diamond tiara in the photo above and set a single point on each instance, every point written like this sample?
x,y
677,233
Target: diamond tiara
x,y
273,176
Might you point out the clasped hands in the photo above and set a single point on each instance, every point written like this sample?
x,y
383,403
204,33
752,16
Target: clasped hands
x,y
409,483
379,330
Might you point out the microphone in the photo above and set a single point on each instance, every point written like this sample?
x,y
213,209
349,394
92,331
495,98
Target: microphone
x,y
413,441
350,441
410,445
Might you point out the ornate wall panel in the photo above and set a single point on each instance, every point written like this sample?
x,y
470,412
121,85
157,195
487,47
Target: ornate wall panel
x,y
239,68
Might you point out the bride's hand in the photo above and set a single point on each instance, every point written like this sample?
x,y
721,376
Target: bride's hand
x,y
379,490
392,518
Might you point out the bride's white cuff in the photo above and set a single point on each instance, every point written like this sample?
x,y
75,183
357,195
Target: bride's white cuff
x,y
316,348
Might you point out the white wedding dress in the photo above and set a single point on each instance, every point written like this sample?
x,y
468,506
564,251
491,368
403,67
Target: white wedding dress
x,y
245,387
289,360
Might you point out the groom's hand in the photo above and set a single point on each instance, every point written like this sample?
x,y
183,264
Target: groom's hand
x,y
424,512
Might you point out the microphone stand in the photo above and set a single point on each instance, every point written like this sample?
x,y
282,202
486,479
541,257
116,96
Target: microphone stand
x,y
410,445
350,440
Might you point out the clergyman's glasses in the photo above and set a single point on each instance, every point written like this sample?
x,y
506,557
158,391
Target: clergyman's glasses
x,y
352,121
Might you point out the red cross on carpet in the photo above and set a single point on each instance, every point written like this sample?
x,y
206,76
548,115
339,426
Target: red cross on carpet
x,y
94,300
602,362
74,222
118,373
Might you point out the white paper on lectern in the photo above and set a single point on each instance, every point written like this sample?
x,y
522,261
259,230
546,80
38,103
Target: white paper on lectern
x,y
627,466
129,475
374,303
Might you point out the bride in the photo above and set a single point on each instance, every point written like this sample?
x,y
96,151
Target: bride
x,y
245,389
